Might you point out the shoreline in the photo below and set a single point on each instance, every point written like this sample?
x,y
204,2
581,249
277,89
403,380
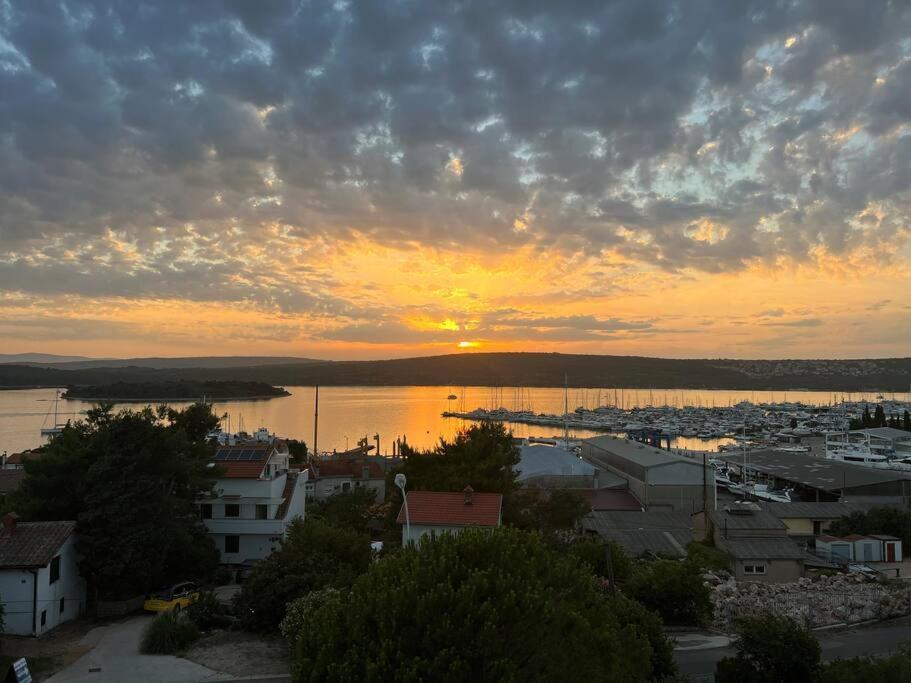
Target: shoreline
x,y
189,399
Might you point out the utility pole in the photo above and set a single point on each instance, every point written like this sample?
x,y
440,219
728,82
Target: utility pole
x,y
315,419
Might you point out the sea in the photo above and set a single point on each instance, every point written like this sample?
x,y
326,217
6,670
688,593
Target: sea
x,y
348,414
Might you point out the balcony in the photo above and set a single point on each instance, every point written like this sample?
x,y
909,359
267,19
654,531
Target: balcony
x,y
238,526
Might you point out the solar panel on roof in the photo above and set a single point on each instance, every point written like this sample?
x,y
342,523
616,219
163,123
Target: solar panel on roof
x,y
220,454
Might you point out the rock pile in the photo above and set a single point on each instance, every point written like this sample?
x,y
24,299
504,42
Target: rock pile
x,y
826,600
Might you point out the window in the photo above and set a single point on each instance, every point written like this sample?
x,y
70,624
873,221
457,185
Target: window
x,y
262,512
232,510
754,569
346,486
205,511
55,570
62,605
232,544
43,617
817,528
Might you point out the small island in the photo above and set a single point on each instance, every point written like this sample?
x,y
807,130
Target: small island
x,y
179,390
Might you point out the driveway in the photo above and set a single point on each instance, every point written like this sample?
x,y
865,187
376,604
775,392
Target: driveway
x,y
115,658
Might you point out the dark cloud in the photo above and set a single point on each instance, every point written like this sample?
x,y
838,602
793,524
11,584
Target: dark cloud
x,y
704,135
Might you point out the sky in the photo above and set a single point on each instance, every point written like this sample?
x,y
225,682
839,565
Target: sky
x,y
375,179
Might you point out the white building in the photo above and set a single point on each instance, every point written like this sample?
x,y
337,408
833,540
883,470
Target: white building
x,y
440,512
40,585
256,498
328,476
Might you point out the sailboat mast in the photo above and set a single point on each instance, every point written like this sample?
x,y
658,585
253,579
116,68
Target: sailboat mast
x,y
565,409
315,419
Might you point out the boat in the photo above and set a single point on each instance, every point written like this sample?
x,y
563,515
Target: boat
x,y
56,428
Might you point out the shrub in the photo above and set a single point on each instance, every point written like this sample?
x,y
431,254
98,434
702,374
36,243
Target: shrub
x,y
594,553
315,555
479,605
300,611
705,556
770,648
895,669
207,612
168,634
672,589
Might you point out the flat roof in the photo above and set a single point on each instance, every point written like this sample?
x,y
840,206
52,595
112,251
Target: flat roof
x,y
809,470
755,519
884,432
651,519
639,453
811,510
538,460
762,549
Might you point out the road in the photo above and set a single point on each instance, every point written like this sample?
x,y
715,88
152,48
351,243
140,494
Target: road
x,y
875,639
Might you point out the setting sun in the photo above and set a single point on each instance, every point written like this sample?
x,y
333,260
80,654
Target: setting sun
x,y
467,344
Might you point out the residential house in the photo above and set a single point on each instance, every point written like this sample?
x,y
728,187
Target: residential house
x,y
40,585
328,476
437,512
756,541
255,499
16,461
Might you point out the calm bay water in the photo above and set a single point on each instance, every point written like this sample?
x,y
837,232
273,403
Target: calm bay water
x,y
350,413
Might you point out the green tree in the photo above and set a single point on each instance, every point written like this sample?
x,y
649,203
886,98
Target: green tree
x,y
880,520
602,558
879,417
352,509
483,456
770,648
672,589
131,481
480,605
298,451
906,421
537,509
314,555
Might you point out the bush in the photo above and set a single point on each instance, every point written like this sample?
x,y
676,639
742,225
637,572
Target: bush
x,y
315,555
479,605
705,556
894,669
207,613
299,612
672,589
594,553
168,634
771,648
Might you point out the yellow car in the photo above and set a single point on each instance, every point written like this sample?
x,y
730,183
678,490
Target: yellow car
x,y
173,599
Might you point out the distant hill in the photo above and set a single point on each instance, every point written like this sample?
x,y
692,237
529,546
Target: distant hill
x,y
39,358
511,369
77,363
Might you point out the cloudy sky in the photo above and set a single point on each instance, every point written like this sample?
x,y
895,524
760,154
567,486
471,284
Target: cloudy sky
x,y
368,179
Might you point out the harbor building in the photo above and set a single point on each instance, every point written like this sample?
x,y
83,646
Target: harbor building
x,y
819,479
805,520
756,541
255,499
328,476
666,534
659,479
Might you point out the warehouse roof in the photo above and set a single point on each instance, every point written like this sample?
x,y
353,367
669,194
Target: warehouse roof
x,y
537,460
815,472
754,517
652,519
639,453
637,542
810,510
762,549
884,432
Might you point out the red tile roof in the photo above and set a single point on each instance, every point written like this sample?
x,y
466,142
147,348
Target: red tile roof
x,y
348,467
855,537
20,458
33,544
449,509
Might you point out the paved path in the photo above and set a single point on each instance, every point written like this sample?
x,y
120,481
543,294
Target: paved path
x,y
881,638
115,658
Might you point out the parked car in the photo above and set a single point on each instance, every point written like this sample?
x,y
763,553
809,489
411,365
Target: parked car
x,y
178,597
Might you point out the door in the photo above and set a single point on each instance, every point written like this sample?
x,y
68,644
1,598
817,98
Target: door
x,y
890,552
868,552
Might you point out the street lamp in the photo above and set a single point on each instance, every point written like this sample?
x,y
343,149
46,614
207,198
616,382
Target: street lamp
x,y
400,481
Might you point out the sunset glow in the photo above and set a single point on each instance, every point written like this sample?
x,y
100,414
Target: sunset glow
x,y
576,181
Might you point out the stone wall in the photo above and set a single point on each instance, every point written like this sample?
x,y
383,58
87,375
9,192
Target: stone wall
x,y
827,600
118,608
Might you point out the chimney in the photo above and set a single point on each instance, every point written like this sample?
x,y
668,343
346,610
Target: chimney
x,y
9,523
468,491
